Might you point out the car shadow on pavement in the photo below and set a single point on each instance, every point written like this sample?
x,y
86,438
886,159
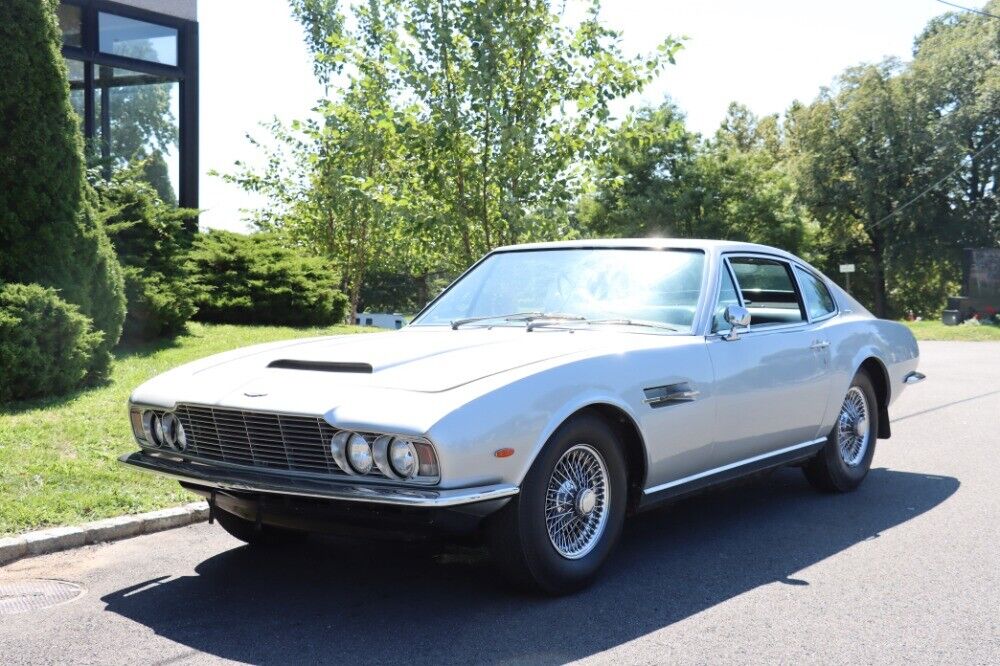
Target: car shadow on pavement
x,y
387,602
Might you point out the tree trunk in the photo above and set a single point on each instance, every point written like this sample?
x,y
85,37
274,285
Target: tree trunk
x,y
881,298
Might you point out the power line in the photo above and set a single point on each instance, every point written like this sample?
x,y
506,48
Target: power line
x,y
969,9
929,189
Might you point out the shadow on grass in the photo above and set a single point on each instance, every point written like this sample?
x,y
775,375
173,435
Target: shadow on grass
x,y
339,601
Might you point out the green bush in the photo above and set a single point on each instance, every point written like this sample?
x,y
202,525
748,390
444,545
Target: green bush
x,y
46,345
152,239
258,279
49,233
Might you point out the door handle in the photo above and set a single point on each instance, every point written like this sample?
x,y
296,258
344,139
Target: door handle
x,y
819,344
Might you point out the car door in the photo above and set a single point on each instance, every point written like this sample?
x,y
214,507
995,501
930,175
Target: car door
x,y
771,380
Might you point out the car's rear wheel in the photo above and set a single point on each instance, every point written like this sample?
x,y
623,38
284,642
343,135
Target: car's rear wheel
x,y
843,462
257,535
556,533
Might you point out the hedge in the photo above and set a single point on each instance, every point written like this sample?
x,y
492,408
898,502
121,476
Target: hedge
x,y
259,279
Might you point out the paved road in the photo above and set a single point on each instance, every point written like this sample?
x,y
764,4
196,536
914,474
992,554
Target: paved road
x,y
907,569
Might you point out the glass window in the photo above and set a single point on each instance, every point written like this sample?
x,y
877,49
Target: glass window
x,y
70,24
76,89
768,291
140,124
819,303
727,296
131,38
594,283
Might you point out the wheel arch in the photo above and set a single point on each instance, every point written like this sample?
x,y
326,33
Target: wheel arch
x,y
877,372
633,445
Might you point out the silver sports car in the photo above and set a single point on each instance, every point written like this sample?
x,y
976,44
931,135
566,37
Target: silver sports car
x,y
550,391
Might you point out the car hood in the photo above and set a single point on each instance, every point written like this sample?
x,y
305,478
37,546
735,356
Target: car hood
x,y
305,375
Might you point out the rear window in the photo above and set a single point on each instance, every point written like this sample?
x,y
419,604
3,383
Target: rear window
x,y
819,302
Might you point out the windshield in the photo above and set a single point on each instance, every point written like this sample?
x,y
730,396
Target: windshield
x,y
600,285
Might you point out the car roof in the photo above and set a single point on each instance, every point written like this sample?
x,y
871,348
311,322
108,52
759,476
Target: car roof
x,y
709,246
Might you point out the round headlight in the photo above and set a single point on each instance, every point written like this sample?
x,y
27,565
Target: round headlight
x,y
359,454
152,428
169,425
403,458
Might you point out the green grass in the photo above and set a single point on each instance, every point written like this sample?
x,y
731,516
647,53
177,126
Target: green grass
x,y
935,330
58,456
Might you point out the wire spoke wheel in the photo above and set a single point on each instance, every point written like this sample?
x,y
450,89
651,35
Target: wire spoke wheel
x,y
576,502
853,433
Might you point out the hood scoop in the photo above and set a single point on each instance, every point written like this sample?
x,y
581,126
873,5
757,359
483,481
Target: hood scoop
x,y
321,366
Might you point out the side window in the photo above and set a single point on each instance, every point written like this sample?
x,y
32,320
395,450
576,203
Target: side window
x,y
819,303
768,291
727,296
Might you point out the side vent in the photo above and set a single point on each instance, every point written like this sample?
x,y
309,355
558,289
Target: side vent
x,y
670,394
321,366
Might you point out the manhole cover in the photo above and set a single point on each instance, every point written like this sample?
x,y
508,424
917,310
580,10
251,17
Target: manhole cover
x,y
21,596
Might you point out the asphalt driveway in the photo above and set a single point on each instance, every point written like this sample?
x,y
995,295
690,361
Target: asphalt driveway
x,y
907,569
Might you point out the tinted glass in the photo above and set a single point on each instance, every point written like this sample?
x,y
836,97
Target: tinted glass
x,y
768,291
128,37
70,25
819,303
727,296
640,285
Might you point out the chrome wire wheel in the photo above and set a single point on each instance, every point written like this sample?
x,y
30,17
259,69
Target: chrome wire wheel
x,y
853,434
576,502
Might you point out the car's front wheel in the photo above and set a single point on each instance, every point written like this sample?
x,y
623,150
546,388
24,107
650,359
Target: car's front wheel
x,y
558,531
843,462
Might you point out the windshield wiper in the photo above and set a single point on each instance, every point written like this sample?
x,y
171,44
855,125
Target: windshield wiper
x,y
513,316
530,317
633,322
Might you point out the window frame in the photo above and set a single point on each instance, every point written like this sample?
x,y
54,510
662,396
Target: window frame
x,y
185,73
816,275
788,265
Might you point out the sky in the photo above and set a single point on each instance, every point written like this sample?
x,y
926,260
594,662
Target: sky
x,y
765,54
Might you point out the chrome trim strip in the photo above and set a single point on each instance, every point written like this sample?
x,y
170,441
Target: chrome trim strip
x,y
914,377
726,468
229,479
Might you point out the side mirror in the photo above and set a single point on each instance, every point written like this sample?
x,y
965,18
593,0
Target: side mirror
x,y
736,317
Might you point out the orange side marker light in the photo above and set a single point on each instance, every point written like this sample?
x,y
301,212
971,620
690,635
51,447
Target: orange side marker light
x,y
503,453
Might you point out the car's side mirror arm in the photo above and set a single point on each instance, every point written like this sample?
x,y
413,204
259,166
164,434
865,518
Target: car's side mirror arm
x,y
736,316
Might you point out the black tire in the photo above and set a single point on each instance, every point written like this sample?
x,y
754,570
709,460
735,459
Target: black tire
x,y
517,535
264,535
828,471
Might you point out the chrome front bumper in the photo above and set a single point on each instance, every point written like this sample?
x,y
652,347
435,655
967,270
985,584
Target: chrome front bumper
x,y
252,481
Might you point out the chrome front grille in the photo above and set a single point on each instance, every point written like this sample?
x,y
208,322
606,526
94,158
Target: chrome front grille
x,y
260,439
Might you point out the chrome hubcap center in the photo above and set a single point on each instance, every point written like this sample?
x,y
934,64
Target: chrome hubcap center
x,y
586,500
861,427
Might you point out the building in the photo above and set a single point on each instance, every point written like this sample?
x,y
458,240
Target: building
x,y
133,70
380,319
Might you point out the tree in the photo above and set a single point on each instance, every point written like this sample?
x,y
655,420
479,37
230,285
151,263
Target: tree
x,y
49,233
152,239
657,178
956,68
345,185
863,150
642,179
515,96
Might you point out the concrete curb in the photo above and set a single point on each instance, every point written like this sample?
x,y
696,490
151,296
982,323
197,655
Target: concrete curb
x,y
111,529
